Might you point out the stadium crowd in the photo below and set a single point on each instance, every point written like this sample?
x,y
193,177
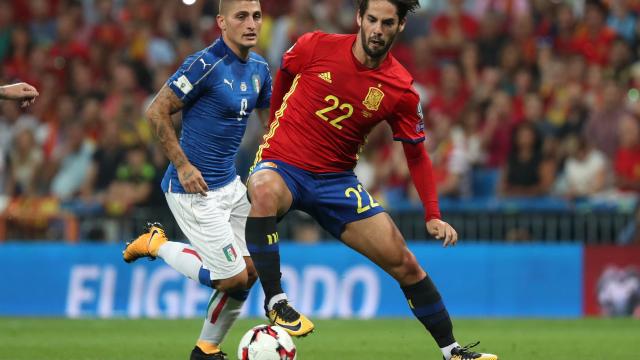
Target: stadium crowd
x,y
541,95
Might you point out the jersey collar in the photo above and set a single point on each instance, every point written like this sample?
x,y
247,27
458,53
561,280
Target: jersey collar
x,y
227,51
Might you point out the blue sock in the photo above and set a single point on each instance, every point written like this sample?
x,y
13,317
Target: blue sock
x,y
426,304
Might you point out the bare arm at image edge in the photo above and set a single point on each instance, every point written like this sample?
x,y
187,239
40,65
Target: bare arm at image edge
x,y
23,92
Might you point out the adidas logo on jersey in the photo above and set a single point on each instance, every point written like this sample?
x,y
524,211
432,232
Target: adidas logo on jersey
x,y
326,76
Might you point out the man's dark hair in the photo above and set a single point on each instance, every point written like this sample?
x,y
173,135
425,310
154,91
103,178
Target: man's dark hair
x,y
403,6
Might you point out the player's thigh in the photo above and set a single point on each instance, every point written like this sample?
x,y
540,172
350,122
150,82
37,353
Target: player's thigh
x,y
378,238
205,221
240,209
268,192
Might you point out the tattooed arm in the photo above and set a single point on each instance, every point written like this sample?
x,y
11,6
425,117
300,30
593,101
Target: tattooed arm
x,y
159,114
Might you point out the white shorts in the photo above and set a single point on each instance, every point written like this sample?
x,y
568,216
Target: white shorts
x,y
215,226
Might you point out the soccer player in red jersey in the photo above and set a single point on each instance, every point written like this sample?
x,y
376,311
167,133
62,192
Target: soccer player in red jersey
x,y
330,91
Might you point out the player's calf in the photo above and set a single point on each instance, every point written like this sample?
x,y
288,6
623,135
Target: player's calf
x,y
427,305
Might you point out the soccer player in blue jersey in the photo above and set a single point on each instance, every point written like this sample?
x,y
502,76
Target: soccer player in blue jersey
x,y
216,89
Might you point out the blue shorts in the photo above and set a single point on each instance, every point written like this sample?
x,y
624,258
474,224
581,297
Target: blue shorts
x,y
333,199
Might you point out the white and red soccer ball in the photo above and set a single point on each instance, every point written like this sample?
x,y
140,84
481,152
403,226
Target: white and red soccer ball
x,y
265,342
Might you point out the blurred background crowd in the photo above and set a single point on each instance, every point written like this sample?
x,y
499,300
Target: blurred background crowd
x,y
532,112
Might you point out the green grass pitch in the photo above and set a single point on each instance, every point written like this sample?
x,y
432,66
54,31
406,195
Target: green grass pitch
x,y
511,339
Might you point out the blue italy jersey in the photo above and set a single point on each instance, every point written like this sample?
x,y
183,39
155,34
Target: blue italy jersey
x,y
219,91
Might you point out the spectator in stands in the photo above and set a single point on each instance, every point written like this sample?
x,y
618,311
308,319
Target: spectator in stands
x,y
622,21
452,94
17,61
593,39
627,159
470,64
563,29
24,162
451,29
511,9
105,161
525,39
425,70
619,61
534,115
602,127
491,39
585,170
527,172
467,133
133,183
124,92
42,26
70,163
497,129
450,160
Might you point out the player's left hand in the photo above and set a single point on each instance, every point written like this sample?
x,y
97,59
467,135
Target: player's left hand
x,y
442,230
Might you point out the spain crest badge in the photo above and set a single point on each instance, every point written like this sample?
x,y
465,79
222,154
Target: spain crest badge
x,y
374,99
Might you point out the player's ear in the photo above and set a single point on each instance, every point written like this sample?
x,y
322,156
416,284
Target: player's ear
x,y
359,18
221,22
401,24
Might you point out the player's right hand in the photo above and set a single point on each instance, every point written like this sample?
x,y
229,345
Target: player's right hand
x,y
192,180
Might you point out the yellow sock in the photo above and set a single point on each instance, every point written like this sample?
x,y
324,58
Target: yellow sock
x,y
207,347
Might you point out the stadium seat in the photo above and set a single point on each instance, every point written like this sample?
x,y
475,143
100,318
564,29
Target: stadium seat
x,y
484,182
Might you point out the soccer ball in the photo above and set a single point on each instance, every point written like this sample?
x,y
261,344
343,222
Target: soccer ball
x,y
265,342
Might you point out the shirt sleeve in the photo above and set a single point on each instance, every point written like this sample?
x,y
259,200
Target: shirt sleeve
x,y
407,119
300,54
264,99
188,81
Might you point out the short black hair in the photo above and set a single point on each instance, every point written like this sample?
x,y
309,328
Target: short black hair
x,y
403,6
222,4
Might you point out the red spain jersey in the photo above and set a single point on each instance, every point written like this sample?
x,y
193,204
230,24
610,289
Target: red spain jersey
x,y
334,102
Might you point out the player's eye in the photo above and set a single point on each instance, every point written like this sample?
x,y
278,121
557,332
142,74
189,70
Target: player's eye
x,y
371,19
388,23
257,16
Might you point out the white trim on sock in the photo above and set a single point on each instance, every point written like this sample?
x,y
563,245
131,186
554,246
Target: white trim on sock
x,y
215,333
446,351
275,299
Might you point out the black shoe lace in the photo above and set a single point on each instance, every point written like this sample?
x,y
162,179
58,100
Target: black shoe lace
x,y
149,225
286,312
220,356
465,351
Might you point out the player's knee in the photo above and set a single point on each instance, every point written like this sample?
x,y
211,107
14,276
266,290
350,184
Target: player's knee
x,y
252,276
408,270
264,195
232,284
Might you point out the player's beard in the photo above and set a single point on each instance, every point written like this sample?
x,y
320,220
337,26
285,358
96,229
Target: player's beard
x,y
376,54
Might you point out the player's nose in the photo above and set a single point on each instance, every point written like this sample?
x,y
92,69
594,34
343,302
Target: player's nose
x,y
377,29
252,24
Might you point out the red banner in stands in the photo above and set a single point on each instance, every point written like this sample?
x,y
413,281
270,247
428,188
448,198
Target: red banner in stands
x,y
612,280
